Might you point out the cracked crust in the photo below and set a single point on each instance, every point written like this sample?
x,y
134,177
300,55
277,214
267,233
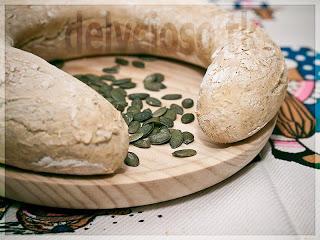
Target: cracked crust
x,y
242,90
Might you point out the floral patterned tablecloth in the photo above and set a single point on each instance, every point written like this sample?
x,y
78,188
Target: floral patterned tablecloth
x,y
275,194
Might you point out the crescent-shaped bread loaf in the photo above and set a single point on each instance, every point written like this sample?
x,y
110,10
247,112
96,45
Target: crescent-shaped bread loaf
x,y
54,123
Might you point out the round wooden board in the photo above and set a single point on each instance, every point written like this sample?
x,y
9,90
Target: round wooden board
x,y
160,176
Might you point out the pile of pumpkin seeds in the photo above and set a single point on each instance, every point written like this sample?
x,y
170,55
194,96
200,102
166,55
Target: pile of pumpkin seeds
x,y
146,128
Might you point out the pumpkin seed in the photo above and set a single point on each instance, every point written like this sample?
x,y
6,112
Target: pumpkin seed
x,y
121,61
89,79
132,160
188,137
105,91
152,120
187,118
153,101
153,82
141,96
120,105
134,126
128,85
107,77
138,64
142,116
136,136
133,109
137,103
121,81
159,112
114,69
155,77
176,138
178,109
58,63
142,143
187,103
128,117
153,86
163,136
146,129
171,114
155,130
184,153
172,96
124,92
166,122
118,95
148,110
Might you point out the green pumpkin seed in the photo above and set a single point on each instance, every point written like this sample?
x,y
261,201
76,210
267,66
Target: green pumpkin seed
x,y
159,112
107,77
152,120
176,138
187,118
141,96
178,109
153,101
153,82
134,137
105,90
134,126
137,103
128,85
188,137
132,160
142,116
166,122
124,92
90,79
172,96
148,110
120,105
138,64
187,103
171,114
128,117
155,77
146,129
155,130
153,86
142,143
121,61
163,136
118,95
121,81
184,153
133,109
58,63
114,69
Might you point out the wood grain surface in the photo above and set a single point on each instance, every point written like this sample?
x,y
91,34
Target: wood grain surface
x,y
160,176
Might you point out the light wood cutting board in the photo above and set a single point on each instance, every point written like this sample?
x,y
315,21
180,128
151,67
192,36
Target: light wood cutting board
x,y
160,176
